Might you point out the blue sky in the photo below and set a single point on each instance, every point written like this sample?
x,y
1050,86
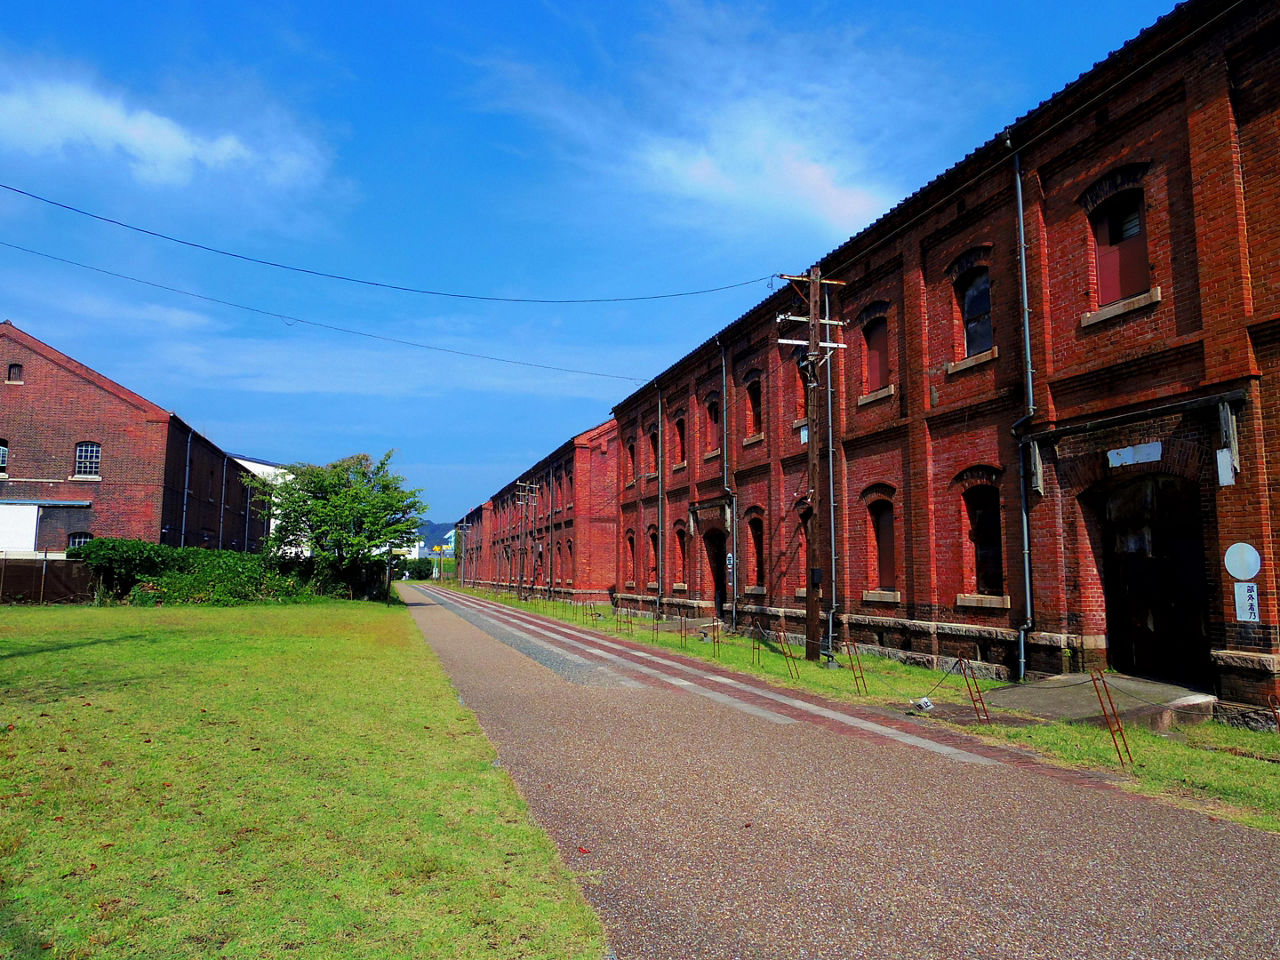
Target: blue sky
x,y
545,150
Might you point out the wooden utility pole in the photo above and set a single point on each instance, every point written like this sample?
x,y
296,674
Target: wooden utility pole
x,y
524,496
812,504
813,586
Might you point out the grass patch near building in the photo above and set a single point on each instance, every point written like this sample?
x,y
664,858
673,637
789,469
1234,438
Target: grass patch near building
x,y
1223,770
259,781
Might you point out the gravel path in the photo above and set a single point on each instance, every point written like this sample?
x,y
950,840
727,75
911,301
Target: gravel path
x,y
705,830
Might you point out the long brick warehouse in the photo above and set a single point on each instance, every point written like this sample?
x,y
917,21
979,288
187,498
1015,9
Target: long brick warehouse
x,y
1053,410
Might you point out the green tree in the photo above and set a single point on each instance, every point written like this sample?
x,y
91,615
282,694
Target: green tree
x,y
342,520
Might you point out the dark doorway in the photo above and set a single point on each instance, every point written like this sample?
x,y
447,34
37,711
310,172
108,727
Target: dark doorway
x,y
1153,572
717,553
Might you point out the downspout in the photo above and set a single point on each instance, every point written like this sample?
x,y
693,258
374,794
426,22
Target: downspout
x,y
222,503
831,490
732,585
550,565
662,490
1029,412
186,490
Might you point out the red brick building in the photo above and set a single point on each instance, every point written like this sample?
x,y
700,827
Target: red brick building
x,y
82,457
1054,404
551,530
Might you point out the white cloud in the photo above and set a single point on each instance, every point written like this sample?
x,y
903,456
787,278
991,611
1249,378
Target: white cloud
x,y
129,317
729,120
311,362
64,118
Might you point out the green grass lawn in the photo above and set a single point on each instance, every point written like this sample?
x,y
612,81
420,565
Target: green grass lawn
x,y
1224,770
259,781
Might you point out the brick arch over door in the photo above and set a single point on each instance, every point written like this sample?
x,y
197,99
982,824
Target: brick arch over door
x,y
1179,457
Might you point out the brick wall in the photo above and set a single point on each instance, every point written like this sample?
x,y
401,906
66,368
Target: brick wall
x,y
137,494
1131,395
560,540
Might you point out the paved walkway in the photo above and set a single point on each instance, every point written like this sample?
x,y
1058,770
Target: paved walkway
x,y
712,816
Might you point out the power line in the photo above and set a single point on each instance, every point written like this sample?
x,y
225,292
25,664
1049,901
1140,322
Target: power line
x,y
291,320
370,283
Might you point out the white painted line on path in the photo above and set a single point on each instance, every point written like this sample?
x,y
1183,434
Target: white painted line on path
x,y
868,726
505,615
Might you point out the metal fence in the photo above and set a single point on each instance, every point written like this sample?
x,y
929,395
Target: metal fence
x,y
38,579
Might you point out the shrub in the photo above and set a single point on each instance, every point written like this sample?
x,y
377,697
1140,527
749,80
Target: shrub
x,y
420,569
149,573
120,564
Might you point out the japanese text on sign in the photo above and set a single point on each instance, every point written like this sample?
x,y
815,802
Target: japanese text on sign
x,y
1247,602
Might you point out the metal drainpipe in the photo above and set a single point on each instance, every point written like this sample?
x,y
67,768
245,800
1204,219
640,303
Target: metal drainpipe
x,y
186,490
733,497
1028,622
222,503
831,491
550,565
662,530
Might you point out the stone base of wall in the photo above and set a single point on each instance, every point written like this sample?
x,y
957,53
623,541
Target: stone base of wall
x,y
1247,715
988,671
576,594
1247,677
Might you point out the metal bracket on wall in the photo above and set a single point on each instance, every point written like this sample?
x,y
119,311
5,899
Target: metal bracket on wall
x,y
1035,466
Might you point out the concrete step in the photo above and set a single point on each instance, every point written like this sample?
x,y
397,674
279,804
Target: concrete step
x,y
1071,696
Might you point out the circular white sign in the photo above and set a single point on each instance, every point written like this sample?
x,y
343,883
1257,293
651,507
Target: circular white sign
x,y
1242,561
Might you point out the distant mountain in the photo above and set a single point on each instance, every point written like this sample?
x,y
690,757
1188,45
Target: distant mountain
x,y
433,534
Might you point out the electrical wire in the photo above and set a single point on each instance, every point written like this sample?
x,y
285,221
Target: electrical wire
x,y
292,320
370,283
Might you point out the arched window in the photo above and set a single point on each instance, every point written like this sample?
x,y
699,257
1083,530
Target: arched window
x,y
631,556
568,573
682,554
654,448
1120,241
875,336
679,440
755,532
802,395
653,555
631,461
973,292
713,422
15,373
755,408
88,459
882,566
984,552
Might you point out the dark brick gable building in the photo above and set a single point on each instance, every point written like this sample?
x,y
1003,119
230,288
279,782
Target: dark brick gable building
x,y
1054,410
82,456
